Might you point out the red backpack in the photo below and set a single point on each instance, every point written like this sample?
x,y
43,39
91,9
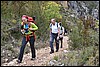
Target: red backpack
x,y
30,19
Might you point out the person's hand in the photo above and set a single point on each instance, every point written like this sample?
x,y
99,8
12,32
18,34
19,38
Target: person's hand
x,y
30,28
23,31
57,37
50,34
61,36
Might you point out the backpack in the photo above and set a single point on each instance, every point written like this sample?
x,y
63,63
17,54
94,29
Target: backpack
x,y
61,29
30,19
51,25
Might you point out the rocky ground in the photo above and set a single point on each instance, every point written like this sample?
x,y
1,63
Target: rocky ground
x,y
43,57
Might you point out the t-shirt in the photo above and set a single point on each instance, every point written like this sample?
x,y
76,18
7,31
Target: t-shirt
x,y
61,30
26,27
54,27
32,25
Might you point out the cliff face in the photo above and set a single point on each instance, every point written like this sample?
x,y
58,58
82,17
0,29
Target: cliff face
x,y
82,8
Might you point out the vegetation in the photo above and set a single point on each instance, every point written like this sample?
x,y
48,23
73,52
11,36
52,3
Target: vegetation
x,y
83,40
11,13
55,58
83,32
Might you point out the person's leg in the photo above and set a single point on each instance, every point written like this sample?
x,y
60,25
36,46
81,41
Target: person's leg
x,y
32,40
61,42
51,43
24,42
57,43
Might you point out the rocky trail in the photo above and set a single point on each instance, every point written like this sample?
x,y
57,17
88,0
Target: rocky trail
x,y
42,56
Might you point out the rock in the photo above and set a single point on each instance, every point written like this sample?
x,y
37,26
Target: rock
x,y
24,63
13,57
62,64
51,63
59,63
3,51
6,60
72,15
11,63
65,51
54,61
45,48
60,59
2,60
16,65
28,54
9,55
95,13
82,8
33,65
12,46
44,57
5,64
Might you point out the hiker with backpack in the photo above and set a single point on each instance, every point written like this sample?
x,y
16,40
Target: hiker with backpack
x,y
61,33
27,29
54,34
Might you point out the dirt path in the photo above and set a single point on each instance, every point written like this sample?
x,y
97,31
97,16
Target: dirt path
x,y
43,56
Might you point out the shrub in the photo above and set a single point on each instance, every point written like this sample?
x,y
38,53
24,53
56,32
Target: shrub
x,y
55,58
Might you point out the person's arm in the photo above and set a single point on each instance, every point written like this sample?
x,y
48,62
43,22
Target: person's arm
x,y
63,31
58,30
50,28
34,27
22,28
50,31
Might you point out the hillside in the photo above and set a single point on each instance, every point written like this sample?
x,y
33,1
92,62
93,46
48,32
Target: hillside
x,y
79,18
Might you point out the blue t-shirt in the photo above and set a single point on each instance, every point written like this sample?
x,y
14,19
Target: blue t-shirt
x,y
26,27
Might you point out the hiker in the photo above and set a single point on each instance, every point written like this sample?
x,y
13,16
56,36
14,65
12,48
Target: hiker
x,y
65,32
54,34
27,29
61,33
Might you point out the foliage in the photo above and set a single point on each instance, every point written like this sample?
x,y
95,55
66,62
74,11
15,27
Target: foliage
x,y
11,13
84,38
88,56
83,57
56,58
52,10
82,34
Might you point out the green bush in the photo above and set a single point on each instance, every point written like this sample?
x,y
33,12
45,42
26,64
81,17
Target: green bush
x,y
85,41
88,56
82,35
56,58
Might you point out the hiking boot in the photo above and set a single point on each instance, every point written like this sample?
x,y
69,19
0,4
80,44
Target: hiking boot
x,y
33,58
51,52
18,61
56,50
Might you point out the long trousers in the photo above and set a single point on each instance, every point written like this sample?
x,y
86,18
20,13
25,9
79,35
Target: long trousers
x,y
52,37
24,42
